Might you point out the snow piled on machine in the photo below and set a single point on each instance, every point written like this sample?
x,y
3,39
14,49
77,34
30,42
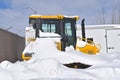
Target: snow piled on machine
x,y
47,63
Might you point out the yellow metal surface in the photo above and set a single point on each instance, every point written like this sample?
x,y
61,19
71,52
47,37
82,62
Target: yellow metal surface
x,y
47,16
30,39
58,45
25,58
77,18
52,16
88,49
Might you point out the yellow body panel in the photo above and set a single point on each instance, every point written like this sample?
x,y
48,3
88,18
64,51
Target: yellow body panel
x,y
31,39
58,45
24,57
51,16
47,16
88,49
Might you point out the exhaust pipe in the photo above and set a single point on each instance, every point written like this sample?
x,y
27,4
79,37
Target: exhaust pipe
x,y
83,30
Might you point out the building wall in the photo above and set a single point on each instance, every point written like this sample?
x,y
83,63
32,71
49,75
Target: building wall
x,y
11,46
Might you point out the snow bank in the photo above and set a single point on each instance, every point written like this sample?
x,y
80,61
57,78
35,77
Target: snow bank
x,y
5,75
70,56
47,62
45,67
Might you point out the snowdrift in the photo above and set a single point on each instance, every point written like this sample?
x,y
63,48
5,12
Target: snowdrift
x,y
47,63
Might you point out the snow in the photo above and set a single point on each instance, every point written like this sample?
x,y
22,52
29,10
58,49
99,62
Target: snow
x,y
81,43
47,63
105,26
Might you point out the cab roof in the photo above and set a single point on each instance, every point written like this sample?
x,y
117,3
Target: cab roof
x,y
53,16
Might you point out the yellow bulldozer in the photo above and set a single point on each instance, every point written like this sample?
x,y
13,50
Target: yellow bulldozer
x,y
65,26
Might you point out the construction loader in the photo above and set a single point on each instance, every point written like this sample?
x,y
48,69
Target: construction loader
x,y
65,26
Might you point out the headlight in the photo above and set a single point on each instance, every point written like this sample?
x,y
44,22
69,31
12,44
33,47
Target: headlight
x,y
27,56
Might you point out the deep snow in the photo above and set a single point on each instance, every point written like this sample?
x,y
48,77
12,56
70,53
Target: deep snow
x,y
47,64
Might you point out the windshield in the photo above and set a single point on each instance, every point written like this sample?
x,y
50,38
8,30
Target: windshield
x,y
49,28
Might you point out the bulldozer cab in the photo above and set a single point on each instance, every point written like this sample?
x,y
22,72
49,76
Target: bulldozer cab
x,y
62,25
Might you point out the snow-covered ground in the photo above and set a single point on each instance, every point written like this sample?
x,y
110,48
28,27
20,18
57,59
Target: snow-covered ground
x,y
47,64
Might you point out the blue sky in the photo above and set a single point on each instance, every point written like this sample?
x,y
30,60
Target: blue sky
x,y
15,12
5,4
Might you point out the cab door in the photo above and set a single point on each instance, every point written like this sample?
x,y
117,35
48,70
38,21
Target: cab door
x,y
70,32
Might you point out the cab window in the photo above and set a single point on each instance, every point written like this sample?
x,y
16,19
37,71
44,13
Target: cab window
x,y
68,30
48,28
32,21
